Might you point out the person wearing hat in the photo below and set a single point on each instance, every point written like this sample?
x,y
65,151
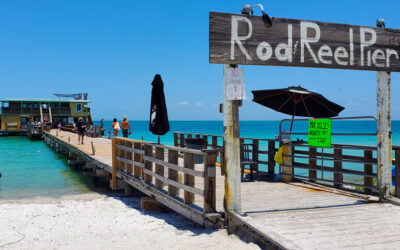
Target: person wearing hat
x,y
80,127
126,128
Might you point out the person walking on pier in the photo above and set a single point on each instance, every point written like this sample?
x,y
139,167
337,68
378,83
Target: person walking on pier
x,y
115,128
80,127
126,128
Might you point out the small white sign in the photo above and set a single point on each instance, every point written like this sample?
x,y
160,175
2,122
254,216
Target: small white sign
x,y
235,89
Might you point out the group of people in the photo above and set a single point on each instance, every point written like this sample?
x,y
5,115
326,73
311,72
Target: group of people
x,y
115,128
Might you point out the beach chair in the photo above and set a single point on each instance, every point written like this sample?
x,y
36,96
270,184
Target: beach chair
x,y
248,160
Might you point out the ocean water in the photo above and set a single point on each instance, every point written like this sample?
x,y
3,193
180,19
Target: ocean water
x,y
31,168
262,130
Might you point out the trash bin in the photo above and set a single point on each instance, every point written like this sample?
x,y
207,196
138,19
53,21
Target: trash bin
x,y
196,143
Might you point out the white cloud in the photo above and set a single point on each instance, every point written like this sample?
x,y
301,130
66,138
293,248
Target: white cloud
x,y
183,103
199,104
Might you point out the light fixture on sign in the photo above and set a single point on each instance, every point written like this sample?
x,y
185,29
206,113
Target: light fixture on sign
x,y
248,9
380,23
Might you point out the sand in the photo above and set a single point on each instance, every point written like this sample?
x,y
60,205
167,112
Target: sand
x,y
102,222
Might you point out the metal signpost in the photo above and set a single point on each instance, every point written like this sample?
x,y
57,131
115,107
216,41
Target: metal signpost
x,y
244,39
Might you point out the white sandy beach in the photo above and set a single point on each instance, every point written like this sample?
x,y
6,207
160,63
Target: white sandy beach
x,y
101,222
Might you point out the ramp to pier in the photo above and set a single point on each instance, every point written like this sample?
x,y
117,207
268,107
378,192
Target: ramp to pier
x,y
290,215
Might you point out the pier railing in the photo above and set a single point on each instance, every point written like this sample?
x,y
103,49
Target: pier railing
x,y
348,167
159,166
263,149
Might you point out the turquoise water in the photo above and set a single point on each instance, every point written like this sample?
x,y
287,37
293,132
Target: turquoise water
x,y
31,168
262,129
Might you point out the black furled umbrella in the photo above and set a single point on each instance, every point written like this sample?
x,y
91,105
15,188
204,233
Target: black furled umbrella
x,y
159,124
297,101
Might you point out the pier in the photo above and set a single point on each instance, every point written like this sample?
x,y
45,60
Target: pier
x,y
300,214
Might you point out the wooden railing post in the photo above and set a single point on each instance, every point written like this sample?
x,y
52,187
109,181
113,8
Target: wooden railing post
x,y
368,170
271,156
313,163
210,181
176,144
397,172
159,168
182,140
138,158
256,145
205,141
148,151
214,143
288,161
129,156
173,174
188,159
114,165
337,166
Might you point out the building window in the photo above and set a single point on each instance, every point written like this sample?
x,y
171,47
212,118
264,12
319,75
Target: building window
x,y
78,107
6,105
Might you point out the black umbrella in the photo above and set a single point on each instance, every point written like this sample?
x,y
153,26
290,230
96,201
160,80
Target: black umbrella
x,y
297,101
159,124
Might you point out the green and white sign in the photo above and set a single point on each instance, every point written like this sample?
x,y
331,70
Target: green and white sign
x,y
319,132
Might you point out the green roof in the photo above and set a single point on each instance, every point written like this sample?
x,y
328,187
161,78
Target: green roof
x,y
40,100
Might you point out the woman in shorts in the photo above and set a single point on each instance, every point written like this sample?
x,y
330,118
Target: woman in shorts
x,y
115,128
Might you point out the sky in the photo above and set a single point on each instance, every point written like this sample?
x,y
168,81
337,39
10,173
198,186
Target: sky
x,y
113,49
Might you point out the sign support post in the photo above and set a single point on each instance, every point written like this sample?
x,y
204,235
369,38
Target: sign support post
x,y
384,156
232,155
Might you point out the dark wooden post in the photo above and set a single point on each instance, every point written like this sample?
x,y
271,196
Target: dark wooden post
x,y
173,174
368,170
214,142
188,159
313,163
176,139
182,140
271,156
206,141
397,172
159,168
337,166
256,145
148,151
210,181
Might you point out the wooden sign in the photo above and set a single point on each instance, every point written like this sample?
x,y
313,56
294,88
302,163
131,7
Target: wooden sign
x,y
243,39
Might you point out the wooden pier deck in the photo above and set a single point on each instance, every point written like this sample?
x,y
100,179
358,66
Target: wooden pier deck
x,y
286,215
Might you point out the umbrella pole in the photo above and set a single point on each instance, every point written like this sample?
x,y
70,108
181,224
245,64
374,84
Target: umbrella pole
x,y
158,140
291,123
294,112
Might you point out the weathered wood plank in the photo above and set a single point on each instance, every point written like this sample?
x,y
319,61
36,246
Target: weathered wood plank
x,y
368,170
138,157
175,167
159,167
271,156
242,39
188,189
313,163
209,204
173,173
148,165
188,159
337,165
